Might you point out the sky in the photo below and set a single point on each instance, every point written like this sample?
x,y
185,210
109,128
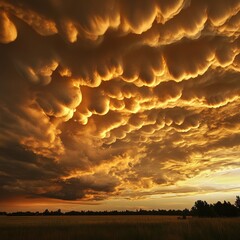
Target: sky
x,y
119,104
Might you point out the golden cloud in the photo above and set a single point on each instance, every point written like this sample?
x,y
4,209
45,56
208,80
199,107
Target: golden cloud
x,y
104,99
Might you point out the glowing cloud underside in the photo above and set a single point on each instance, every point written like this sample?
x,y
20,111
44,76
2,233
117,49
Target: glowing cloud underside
x,y
118,99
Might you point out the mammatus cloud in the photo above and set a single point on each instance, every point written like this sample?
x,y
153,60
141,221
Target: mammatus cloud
x,y
8,31
117,99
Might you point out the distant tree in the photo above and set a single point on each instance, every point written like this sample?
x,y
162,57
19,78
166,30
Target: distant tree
x,y
185,213
46,212
237,202
218,208
59,212
202,209
231,210
225,209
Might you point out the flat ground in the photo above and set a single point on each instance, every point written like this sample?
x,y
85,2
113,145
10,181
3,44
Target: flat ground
x,y
118,227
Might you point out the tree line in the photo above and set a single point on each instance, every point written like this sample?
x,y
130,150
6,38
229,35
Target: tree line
x,y
218,209
200,209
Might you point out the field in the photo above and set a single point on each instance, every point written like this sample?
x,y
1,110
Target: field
x,y
118,227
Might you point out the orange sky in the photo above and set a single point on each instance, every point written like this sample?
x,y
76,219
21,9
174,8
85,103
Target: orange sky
x,y
118,104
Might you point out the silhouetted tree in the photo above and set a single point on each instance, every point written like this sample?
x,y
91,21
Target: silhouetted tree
x,y
202,209
185,213
46,212
59,212
225,209
237,202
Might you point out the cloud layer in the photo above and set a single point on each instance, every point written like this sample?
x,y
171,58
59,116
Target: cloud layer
x,y
117,99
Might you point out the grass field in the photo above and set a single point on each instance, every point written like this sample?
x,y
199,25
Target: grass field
x,y
118,227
